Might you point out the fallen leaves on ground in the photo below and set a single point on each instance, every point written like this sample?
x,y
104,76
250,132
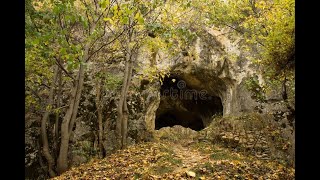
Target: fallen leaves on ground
x,y
167,160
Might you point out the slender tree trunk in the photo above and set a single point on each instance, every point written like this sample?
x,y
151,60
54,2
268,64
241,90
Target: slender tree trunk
x,y
62,162
43,167
124,123
106,126
70,116
99,110
45,143
56,125
120,114
77,102
284,89
125,108
122,120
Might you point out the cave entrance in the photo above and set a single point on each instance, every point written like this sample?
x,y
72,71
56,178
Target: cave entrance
x,y
182,105
185,119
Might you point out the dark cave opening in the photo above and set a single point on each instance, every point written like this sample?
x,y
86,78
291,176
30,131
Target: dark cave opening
x,y
185,119
182,105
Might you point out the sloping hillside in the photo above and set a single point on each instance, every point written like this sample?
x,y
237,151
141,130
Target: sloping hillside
x,y
183,158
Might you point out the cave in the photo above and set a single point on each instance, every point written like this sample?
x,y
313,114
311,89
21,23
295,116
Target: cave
x,y
185,106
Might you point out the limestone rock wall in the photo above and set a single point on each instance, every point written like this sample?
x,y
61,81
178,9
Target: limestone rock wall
x,y
214,65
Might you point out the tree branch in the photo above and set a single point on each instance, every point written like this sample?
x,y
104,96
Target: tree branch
x,y
89,23
104,45
63,28
104,32
63,69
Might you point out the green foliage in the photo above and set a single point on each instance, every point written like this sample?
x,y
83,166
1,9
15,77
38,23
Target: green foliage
x,y
154,74
112,82
186,35
104,3
69,32
222,155
258,91
267,28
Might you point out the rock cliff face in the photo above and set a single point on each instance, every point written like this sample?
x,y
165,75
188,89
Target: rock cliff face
x,y
209,80
212,69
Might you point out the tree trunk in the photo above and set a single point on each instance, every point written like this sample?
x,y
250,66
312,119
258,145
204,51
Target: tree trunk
x,y
284,89
45,143
77,102
70,116
120,114
125,107
56,125
62,162
99,110
122,120
43,167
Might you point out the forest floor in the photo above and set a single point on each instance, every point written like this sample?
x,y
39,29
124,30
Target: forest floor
x,y
179,160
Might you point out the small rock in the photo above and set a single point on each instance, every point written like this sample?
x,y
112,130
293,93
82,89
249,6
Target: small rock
x,y
191,174
259,145
249,146
236,139
265,158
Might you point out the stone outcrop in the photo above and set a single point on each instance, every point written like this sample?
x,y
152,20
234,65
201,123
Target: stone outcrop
x,y
254,134
176,133
210,68
213,66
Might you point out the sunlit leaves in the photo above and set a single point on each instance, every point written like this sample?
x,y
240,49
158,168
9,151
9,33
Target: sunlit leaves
x,y
112,82
258,91
104,4
267,28
107,19
139,18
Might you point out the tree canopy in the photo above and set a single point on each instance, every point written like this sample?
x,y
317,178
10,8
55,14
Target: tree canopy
x,y
69,39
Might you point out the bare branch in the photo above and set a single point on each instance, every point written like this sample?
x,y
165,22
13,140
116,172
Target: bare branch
x,y
89,23
104,45
108,8
96,5
63,69
239,31
34,93
104,32
115,35
63,28
133,24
